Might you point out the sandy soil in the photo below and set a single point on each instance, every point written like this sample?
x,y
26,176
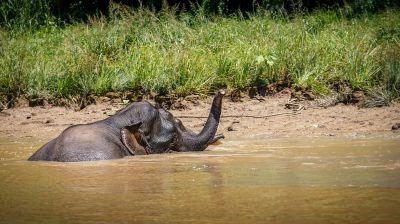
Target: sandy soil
x,y
240,119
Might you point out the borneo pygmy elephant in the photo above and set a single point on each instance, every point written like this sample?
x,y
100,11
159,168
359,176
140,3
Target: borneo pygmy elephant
x,y
140,128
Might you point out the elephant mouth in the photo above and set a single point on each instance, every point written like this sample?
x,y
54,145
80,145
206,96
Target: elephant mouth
x,y
172,147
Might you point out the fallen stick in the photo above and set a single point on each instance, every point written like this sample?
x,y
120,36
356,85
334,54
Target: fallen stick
x,y
249,116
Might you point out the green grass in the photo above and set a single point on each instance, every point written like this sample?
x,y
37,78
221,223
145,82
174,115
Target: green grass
x,y
188,53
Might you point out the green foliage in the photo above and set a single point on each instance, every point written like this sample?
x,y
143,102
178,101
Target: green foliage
x,y
392,74
186,53
25,15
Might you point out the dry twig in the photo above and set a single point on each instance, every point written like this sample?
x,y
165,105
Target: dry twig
x,y
247,116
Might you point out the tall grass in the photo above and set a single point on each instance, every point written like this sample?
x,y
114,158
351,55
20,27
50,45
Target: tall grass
x,y
189,53
25,15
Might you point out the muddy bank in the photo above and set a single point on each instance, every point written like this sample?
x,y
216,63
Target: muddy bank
x,y
271,117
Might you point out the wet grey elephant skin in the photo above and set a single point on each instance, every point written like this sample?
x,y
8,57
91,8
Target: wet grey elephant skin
x,y
138,129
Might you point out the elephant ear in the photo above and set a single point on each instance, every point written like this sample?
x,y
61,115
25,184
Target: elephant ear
x,y
132,137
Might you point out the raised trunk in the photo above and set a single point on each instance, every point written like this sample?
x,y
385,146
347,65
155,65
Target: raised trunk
x,y
200,141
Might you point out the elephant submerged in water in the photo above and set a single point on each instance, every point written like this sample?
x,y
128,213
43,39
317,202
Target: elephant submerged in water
x,y
140,128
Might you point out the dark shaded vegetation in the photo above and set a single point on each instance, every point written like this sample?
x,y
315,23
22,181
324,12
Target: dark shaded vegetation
x,y
58,49
29,14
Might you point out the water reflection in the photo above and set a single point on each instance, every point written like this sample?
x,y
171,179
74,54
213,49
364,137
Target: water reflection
x,y
243,181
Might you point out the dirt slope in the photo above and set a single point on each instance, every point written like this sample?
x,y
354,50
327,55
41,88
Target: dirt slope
x,y
240,119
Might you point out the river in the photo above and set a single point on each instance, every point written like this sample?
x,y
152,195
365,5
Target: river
x,y
253,180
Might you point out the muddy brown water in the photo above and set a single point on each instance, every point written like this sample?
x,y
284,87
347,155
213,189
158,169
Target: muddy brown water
x,y
251,180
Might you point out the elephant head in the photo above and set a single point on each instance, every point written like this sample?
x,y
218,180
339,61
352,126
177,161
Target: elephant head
x,y
166,133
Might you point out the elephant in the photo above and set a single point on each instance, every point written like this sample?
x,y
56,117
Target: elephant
x,y
138,129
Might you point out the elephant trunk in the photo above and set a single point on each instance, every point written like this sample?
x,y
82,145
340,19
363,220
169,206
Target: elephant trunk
x,y
200,141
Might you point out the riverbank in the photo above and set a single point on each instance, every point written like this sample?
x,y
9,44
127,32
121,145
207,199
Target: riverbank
x,y
182,54
267,117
